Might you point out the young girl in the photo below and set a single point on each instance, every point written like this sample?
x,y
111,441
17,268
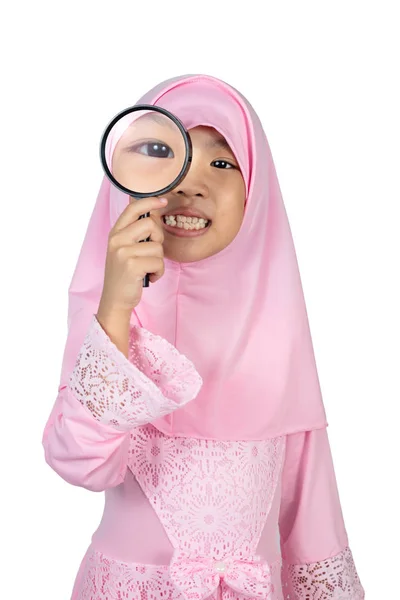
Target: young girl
x,y
195,404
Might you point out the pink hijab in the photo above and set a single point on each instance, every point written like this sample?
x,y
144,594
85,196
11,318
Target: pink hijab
x,y
239,315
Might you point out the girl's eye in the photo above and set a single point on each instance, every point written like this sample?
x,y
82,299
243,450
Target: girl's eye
x,y
223,164
154,150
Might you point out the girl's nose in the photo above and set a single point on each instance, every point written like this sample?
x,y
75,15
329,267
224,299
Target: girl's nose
x,y
192,186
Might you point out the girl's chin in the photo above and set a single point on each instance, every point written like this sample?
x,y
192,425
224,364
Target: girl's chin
x,y
183,250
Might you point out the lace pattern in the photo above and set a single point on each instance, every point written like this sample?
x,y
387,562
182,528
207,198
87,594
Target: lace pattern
x,y
105,578
122,393
212,497
198,578
335,578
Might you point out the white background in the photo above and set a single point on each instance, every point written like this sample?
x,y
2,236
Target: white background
x,y
324,78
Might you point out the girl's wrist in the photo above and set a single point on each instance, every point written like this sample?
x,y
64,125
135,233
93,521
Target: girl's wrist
x,y
116,324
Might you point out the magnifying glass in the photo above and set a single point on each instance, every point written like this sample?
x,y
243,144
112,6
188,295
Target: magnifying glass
x,y
145,151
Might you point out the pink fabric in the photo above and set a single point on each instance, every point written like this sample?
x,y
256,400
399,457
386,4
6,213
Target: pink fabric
x,y
333,578
251,344
310,504
193,517
103,578
199,578
130,530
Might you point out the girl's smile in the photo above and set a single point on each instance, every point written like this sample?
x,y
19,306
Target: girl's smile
x,y
186,225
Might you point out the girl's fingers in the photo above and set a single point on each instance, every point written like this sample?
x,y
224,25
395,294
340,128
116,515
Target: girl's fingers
x,y
149,249
135,209
137,231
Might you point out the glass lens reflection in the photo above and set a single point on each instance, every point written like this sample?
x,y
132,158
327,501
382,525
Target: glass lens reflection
x,y
146,151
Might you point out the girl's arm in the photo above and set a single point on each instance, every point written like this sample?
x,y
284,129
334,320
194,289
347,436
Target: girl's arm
x,y
317,560
103,395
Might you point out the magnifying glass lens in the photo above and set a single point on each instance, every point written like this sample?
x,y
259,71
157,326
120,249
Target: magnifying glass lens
x,y
150,153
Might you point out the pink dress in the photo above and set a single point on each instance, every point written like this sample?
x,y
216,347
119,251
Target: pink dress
x,y
186,518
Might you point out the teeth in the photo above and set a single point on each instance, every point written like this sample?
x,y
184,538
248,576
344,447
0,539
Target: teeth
x,y
183,222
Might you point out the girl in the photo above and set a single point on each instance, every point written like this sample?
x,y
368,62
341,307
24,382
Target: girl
x,y
195,404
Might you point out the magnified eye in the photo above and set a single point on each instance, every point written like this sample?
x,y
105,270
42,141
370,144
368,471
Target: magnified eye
x,y
154,149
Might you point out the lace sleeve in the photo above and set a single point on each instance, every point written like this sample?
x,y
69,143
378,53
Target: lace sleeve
x,y
126,393
334,578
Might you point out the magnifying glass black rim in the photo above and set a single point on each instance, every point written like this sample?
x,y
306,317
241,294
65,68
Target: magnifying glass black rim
x,y
185,135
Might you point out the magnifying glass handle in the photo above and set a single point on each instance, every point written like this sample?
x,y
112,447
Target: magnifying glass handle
x,y
146,277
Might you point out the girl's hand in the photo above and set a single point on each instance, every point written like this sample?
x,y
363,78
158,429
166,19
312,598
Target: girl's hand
x,y
128,260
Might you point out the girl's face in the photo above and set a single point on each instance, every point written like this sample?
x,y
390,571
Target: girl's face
x,y
213,190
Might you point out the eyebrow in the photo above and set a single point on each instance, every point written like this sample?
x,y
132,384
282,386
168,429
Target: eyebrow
x,y
218,142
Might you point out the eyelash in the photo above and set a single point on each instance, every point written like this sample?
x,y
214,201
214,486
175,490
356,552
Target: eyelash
x,y
226,162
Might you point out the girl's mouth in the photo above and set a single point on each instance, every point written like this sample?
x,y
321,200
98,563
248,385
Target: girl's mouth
x,y
182,226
